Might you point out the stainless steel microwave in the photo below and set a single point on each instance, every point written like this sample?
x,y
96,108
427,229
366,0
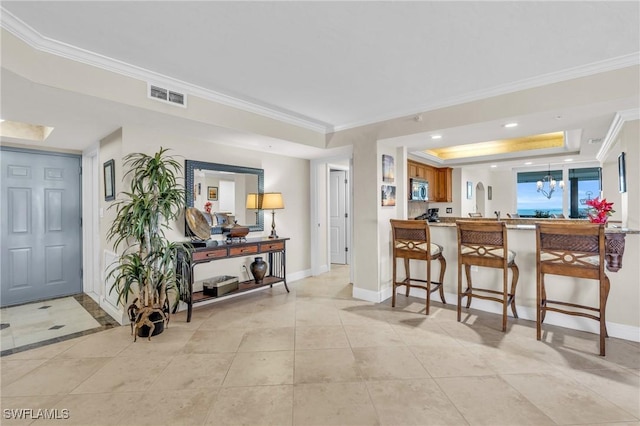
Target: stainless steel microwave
x,y
419,190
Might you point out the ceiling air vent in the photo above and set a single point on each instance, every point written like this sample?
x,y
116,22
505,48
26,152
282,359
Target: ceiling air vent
x,y
166,95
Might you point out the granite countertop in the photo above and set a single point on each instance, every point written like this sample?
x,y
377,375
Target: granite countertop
x,y
527,224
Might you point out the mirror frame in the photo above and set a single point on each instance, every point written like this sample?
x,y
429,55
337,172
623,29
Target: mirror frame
x,y
190,166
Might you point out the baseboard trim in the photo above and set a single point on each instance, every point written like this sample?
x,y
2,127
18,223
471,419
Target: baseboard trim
x,y
322,269
115,313
296,276
620,331
367,295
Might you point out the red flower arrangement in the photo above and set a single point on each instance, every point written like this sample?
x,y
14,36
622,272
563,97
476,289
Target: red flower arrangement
x,y
207,206
599,210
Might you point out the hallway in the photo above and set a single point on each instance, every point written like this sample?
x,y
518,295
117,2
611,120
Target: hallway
x,y
316,356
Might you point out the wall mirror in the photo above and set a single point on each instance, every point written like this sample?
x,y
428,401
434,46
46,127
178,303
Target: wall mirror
x,y
226,191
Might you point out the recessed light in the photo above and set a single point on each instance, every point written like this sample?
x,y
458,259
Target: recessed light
x,y
493,166
568,159
510,125
528,163
436,137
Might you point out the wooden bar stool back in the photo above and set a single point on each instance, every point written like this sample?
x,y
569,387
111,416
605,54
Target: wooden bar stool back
x,y
573,250
484,243
411,239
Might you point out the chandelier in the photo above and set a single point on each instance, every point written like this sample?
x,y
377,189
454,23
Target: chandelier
x,y
548,184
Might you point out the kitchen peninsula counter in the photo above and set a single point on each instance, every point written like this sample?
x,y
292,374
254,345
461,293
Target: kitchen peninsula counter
x,y
624,299
530,223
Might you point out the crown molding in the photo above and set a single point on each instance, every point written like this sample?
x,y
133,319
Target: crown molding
x,y
33,38
429,157
37,41
619,120
529,83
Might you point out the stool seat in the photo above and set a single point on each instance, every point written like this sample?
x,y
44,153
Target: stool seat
x,y
483,243
571,250
411,240
492,252
434,249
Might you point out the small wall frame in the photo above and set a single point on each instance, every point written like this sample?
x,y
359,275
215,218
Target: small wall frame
x,y
212,193
109,169
622,173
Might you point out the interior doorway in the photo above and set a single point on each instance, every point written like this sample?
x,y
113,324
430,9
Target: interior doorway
x,y
338,217
480,199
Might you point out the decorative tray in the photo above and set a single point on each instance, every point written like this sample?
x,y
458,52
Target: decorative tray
x,y
197,223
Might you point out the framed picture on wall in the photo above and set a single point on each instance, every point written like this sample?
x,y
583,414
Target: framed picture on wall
x,y
212,193
388,168
622,173
388,195
489,193
109,170
469,190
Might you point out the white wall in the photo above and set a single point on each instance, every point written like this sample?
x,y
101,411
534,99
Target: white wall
x,y
475,176
628,139
110,149
282,174
504,194
366,205
385,213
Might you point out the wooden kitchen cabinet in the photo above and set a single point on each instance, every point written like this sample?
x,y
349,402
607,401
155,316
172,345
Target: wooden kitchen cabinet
x,y
430,176
439,179
443,185
416,170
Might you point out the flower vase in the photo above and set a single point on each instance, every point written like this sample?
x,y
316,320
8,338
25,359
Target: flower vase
x,y
258,269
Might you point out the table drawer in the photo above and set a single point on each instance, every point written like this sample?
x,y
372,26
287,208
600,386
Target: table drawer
x,y
210,254
242,251
276,246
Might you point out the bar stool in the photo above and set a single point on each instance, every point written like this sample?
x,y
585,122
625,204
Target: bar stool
x,y
575,250
412,240
484,243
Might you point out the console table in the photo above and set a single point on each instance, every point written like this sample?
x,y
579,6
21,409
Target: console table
x,y
275,248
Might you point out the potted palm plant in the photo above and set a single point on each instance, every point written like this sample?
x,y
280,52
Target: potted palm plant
x,y
146,267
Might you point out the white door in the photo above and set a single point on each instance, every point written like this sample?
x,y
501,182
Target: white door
x,y
41,229
338,216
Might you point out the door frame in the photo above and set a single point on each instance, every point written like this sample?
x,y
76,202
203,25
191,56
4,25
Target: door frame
x,y
320,211
91,285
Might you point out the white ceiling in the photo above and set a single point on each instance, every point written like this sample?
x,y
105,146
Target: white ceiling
x,y
339,64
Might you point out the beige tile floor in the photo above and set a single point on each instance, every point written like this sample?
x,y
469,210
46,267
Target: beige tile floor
x,y
316,356
50,319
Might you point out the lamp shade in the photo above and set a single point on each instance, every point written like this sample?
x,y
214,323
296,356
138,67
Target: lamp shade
x,y
252,201
272,201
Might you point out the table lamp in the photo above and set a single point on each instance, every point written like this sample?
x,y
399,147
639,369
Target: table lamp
x,y
272,201
253,203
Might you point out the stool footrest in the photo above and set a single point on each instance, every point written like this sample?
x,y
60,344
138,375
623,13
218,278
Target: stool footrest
x,y
545,307
471,292
434,286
